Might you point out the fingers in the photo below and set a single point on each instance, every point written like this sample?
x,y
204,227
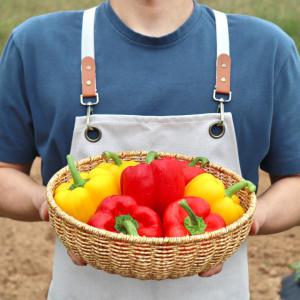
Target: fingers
x,y
254,228
212,272
43,211
76,259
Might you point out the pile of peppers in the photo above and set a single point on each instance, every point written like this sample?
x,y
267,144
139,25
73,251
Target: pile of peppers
x,y
159,197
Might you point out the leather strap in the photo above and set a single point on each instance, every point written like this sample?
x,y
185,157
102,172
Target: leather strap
x,y
88,75
223,65
223,74
88,65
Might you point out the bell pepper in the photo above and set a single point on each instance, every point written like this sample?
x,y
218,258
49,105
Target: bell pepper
x,y
190,170
117,167
214,222
205,186
81,196
169,181
123,214
190,216
228,206
139,183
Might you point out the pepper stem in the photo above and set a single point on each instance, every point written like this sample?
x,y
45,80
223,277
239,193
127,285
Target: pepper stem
x,y
114,156
127,224
204,161
78,180
183,203
193,223
151,156
229,192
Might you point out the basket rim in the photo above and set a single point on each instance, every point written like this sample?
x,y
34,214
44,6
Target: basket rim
x,y
141,239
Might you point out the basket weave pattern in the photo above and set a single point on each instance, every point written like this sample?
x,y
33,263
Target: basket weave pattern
x,y
149,258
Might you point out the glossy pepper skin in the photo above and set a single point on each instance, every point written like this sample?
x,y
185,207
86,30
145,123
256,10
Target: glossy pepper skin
x,y
205,186
190,216
123,214
169,182
117,167
190,170
228,206
81,196
139,183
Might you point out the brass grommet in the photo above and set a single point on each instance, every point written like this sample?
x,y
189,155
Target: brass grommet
x,y
89,82
93,134
217,126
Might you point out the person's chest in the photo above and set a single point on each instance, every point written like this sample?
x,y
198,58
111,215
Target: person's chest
x,y
135,80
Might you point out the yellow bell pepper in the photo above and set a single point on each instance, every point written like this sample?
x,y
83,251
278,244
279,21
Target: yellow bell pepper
x,y
117,167
81,196
228,207
205,186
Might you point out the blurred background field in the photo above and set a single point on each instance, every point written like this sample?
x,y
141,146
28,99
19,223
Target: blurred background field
x,y
27,249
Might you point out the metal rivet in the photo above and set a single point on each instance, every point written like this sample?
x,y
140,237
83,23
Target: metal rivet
x,y
223,79
89,82
224,66
88,67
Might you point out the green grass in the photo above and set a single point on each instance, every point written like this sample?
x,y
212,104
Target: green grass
x,y
284,13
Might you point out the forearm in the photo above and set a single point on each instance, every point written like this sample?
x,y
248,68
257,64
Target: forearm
x,y
20,196
281,206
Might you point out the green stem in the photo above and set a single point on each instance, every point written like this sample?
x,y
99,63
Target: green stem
x,y
183,203
78,180
239,186
204,161
127,225
114,156
151,156
130,228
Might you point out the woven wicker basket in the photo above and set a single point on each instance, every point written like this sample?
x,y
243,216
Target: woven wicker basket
x,y
150,258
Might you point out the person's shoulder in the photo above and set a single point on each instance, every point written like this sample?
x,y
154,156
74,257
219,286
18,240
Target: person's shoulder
x,y
257,28
47,26
252,30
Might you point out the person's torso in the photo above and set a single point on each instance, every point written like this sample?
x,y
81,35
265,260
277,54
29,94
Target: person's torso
x,y
138,75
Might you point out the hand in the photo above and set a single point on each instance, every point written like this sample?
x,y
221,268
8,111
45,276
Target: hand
x,y
44,214
259,220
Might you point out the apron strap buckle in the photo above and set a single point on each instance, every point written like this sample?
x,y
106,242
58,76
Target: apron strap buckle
x,y
89,102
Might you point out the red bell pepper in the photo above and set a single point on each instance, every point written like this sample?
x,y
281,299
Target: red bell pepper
x,y
214,222
155,183
169,182
190,170
122,214
138,182
190,216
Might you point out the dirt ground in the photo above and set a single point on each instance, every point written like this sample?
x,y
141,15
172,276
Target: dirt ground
x,y
26,257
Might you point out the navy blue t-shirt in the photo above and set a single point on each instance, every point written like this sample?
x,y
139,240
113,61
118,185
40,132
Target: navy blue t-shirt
x,y
40,84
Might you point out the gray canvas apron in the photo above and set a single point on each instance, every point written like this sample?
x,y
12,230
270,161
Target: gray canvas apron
x,y
131,132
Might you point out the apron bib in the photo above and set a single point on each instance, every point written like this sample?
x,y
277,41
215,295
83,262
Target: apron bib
x,y
187,134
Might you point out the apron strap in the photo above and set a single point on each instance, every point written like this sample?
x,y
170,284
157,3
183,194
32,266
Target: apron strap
x,y
88,65
223,65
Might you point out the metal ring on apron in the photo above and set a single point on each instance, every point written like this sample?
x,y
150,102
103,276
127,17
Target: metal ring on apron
x,y
220,126
93,134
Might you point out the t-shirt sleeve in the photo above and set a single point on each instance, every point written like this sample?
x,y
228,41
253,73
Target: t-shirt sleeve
x,y
283,157
16,129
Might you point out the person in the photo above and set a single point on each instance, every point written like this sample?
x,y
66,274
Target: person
x,y
142,74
